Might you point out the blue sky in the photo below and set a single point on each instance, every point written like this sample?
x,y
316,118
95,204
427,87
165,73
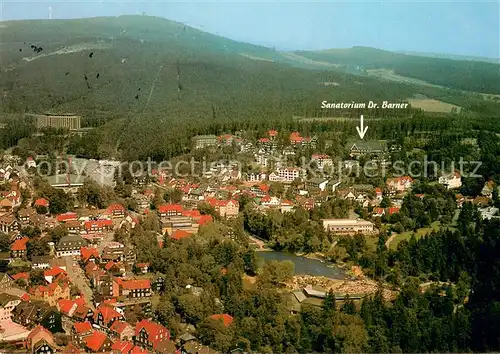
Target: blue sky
x,y
469,28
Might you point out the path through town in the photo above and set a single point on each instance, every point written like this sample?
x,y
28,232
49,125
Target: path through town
x,y
78,278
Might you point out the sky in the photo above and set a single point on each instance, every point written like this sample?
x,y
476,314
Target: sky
x,y
453,27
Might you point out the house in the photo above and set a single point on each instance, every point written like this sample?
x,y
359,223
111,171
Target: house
x,y
80,331
287,175
136,288
488,188
225,208
170,210
40,262
378,194
256,177
41,341
73,226
399,184
97,342
7,304
70,246
18,249
54,273
105,315
93,226
31,313
50,293
66,307
378,212
6,205
348,226
202,141
451,180
226,319
149,334
322,160
142,267
65,217
42,204
116,210
366,147
6,282
89,254
9,223
317,184
123,330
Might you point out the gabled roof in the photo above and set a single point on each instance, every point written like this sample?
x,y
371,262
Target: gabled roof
x,y
65,305
119,326
95,340
82,327
165,208
20,245
108,313
122,347
153,331
88,252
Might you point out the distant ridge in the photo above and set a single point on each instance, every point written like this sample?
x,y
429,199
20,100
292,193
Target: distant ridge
x,y
451,56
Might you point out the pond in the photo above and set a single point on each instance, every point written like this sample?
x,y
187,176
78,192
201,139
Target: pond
x,y
304,266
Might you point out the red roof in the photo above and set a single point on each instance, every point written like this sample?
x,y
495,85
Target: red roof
x,y
192,213
53,272
87,252
65,305
25,297
80,300
205,219
25,276
122,347
165,208
392,210
156,332
136,284
66,217
264,140
82,327
272,132
20,245
179,234
116,207
108,313
138,350
98,224
225,318
42,202
95,340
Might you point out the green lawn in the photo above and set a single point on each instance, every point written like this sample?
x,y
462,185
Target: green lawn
x,y
420,232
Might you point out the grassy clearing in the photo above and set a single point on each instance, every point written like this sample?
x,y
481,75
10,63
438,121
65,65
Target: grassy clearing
x,y
420,232
431,105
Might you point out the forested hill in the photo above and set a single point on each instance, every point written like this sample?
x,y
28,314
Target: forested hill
x,y
464,75
133,65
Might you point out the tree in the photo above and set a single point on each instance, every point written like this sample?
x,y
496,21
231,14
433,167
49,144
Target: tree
x,y
37,247
57,233
37,277
214,333
277,273
4,242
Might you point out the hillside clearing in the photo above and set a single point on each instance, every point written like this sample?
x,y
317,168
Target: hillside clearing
x,y
431,105
420,233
